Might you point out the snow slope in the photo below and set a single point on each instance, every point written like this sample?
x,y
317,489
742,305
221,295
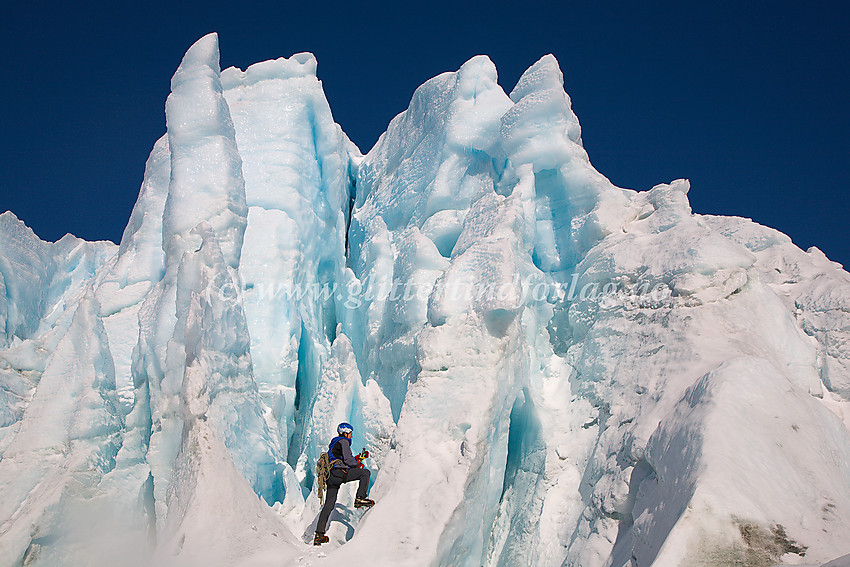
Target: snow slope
x,y
547,369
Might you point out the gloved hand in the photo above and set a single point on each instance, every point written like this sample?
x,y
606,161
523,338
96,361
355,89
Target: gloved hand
x,y
364,454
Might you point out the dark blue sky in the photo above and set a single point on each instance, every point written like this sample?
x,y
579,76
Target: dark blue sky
x,y
746,99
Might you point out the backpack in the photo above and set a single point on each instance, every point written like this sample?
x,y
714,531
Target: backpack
x,y
323,472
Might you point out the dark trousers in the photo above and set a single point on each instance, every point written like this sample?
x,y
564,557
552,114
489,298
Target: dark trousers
x,y
337,478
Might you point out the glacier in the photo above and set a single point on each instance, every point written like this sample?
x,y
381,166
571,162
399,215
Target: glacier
x,y
547,369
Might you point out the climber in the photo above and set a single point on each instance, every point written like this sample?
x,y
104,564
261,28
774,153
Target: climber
x,y
344,468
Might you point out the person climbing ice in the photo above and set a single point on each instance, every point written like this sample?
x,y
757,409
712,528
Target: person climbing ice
x,y
344,467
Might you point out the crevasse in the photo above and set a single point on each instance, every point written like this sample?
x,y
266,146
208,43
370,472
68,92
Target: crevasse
x,y
546,368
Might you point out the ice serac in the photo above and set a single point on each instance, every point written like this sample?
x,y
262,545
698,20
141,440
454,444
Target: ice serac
x,y
206,169
813,288
556,457
41,278
442,211
26,269
218,375
638,362
575,205
42,284
205,186
138,266
225,439
413,191
67,440
296,162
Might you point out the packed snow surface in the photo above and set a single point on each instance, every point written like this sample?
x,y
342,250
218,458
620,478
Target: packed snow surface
x,y
547,369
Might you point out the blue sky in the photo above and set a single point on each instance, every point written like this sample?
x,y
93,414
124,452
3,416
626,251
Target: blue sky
x,y
747,100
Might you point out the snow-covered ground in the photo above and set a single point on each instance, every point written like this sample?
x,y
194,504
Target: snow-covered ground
x,y
547,369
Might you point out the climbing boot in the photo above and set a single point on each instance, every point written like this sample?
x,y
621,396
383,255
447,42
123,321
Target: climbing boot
x,y
363,503
320,538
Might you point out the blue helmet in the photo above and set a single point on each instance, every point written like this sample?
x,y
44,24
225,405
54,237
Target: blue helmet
x,y
344,428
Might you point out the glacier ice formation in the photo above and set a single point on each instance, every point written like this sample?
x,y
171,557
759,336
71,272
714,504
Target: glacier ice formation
x,y
548,370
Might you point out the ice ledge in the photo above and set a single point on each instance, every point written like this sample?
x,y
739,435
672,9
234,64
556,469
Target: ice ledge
x,y
299,65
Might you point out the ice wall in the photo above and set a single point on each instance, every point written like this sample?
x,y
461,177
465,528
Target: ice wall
x,y
138,266
561,427
42,284
547,369
454,224
716,325
205,186
67,440
296,164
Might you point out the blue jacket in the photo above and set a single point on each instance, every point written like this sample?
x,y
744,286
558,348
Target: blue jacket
x,y
339,451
